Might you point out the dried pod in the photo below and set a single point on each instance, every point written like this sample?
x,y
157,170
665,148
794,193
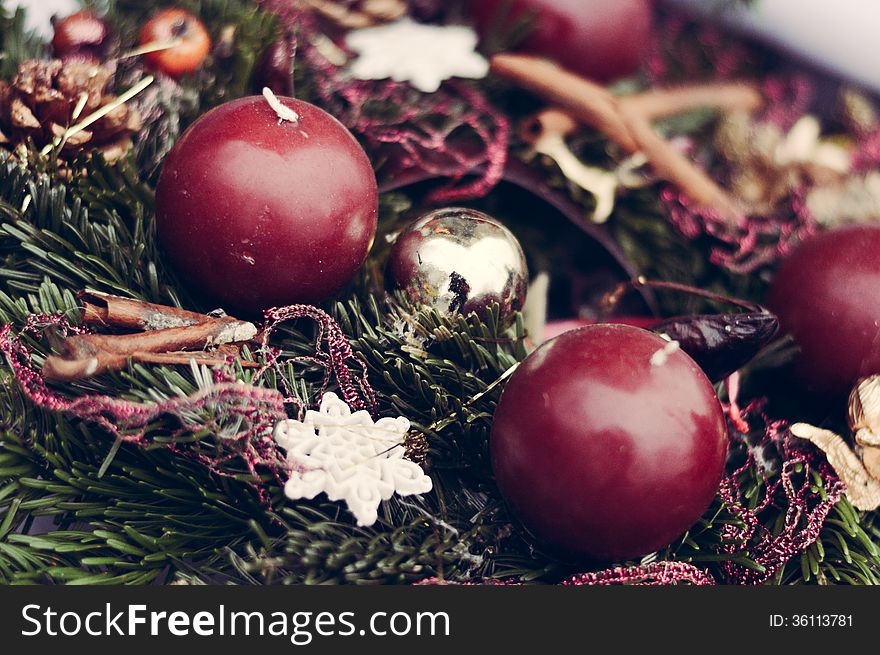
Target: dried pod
x,y
864,419
721,343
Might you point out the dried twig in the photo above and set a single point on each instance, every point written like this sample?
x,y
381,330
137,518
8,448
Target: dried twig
x,y
168,336
106,310
726,97
626,122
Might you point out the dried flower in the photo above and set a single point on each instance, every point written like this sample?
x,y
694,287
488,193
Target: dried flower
x,y
357,14
864,416
859,468
864,406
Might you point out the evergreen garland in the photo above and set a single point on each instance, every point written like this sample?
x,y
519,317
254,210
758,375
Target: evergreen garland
x,y
75,508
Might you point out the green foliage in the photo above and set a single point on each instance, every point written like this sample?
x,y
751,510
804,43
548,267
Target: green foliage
x,y
76,509
16,43
239,33
154,514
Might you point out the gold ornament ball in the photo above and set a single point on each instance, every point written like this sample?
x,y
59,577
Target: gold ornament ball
x,y
459,260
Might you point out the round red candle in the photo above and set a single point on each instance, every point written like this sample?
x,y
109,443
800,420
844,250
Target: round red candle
x,y
603,447
601,39
255,211
827,296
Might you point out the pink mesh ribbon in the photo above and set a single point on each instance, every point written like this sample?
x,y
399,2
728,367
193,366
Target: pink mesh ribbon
x,y
682,47
689,50
750,243
653,574
452,133
242,415
793,489
786,100
332,352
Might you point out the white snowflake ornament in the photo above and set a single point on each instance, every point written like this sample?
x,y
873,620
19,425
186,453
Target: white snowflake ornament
x,y
423,55
349,457
40,12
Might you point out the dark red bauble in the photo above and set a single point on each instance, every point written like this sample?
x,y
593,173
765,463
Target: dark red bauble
x,y
604,449
827,296
601,39
256,212
83,34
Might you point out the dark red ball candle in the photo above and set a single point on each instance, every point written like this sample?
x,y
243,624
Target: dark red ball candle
x,y
601,39
606,449
257,212
827,296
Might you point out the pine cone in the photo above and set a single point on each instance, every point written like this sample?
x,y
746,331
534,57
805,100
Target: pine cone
x,y
39,103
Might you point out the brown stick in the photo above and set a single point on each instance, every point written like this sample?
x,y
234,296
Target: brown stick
x,y
86,355
202,359
59,369
106,310
722,96
213,332
672,166
586,101
597,107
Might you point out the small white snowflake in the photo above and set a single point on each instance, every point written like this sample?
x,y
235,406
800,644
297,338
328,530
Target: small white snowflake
x,y
423,55
349,457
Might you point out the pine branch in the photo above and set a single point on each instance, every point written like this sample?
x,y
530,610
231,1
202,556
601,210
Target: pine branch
x,y
16,42
74,511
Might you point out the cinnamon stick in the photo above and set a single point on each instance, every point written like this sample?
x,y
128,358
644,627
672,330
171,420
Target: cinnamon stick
x,y
107,310
588,102
213,332
59,369
723,96
85,355
624,125
671,165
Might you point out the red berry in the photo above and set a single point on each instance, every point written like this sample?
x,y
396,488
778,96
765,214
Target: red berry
x,y
607,443
170,25
83,33
601,39
255,212
827,296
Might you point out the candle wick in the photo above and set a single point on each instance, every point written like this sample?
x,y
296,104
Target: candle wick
x,y
660,357
284,112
